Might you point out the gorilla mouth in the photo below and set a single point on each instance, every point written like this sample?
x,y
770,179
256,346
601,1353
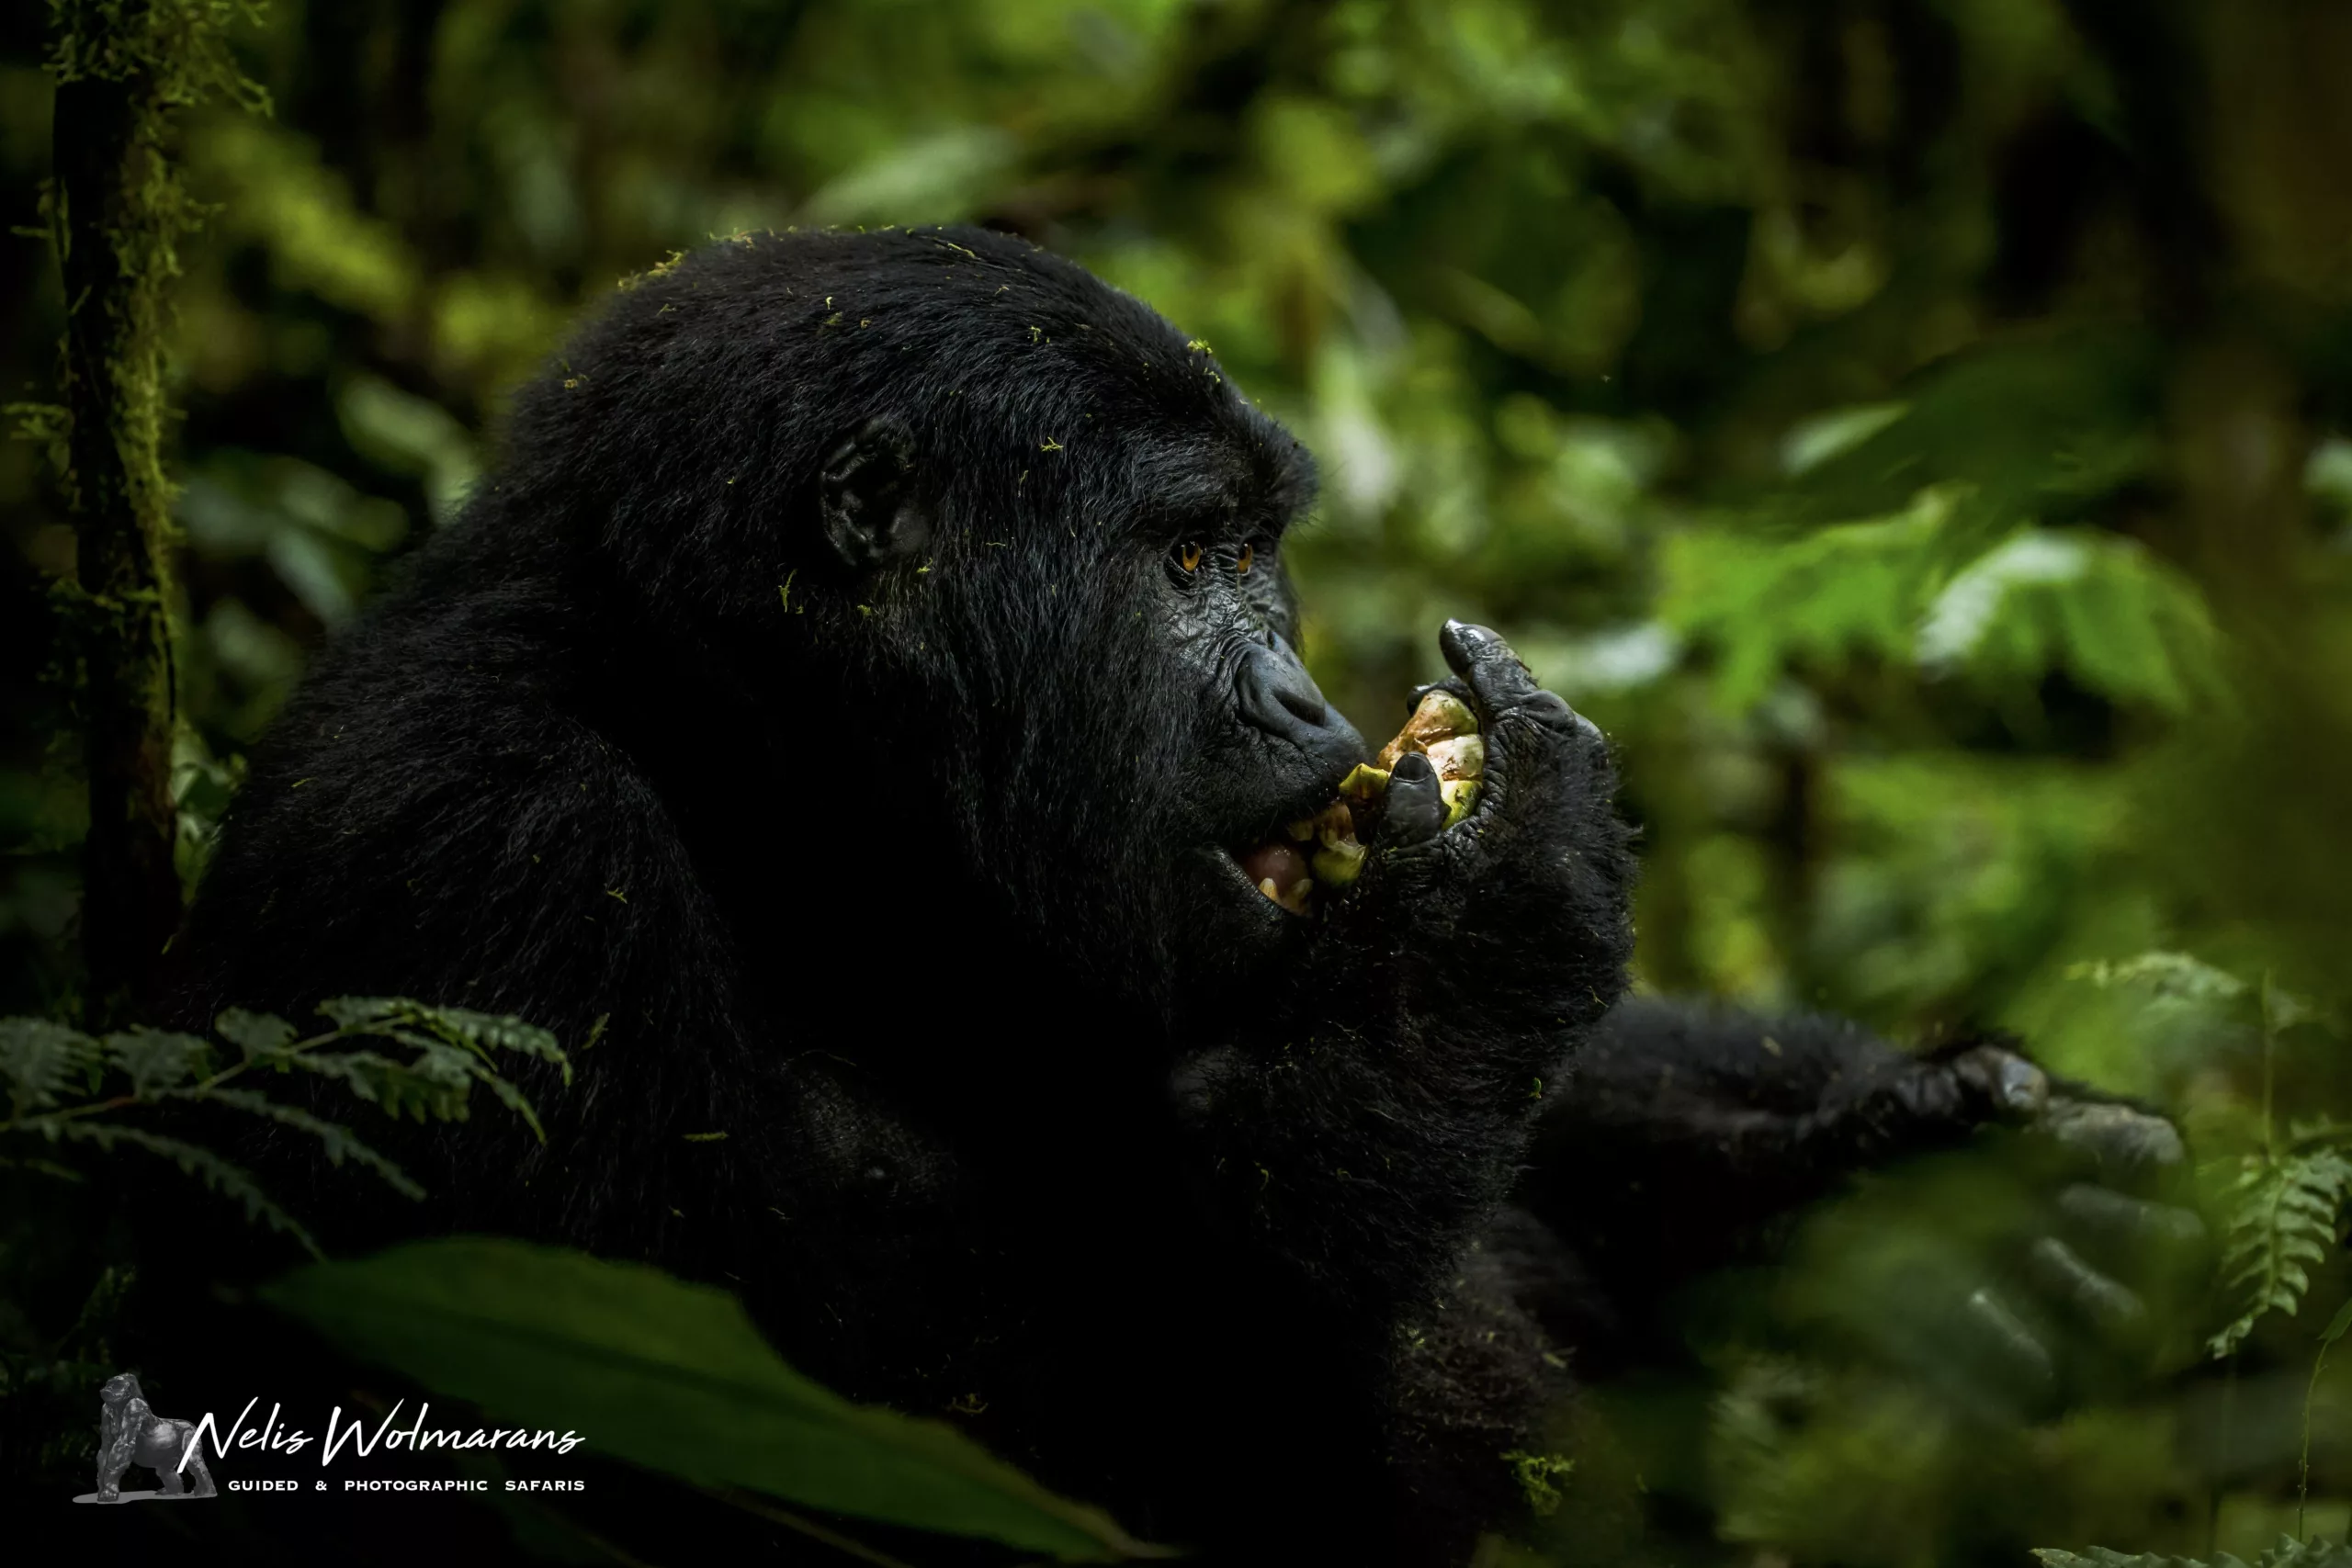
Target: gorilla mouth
x,y
1327,850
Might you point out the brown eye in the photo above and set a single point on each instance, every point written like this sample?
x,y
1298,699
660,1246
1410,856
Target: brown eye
x,y
1248,558
1189,558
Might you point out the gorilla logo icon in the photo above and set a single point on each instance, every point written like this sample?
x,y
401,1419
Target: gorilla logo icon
x,y
129,1433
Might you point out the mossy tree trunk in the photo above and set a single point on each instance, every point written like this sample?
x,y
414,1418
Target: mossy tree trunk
x,y
117,213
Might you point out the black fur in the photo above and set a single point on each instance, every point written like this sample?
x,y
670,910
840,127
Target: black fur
x,y
817,689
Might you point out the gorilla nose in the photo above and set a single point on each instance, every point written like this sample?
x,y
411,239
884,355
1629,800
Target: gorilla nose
x,y
1279,697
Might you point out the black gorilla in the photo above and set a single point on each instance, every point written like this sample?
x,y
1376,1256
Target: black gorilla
x,y
862,680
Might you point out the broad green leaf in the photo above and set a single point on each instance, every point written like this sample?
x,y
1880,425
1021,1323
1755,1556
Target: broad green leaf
x,y
2096,606
672,1376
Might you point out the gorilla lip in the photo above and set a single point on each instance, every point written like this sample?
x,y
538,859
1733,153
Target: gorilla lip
x,y
1329,849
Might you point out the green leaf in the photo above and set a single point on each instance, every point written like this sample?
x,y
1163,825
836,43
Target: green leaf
x,y
257,1034
2288,1553
156,1061
228,1180
514,1100
426,1090
1855,589
337,1142
38,1058
674,1377
480,1032
2282,1214
2337,1325
2169,975
2096,606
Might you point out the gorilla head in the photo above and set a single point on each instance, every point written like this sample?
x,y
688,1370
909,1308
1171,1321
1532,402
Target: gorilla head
x,y
995,548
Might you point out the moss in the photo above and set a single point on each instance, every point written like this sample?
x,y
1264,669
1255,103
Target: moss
x,y
116,212
1539,1477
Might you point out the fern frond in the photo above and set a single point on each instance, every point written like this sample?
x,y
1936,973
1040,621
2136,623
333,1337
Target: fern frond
x,y
335,1140
229,1181
2288,1553
427,1091
156,1061
40,1060
260,1036
480,1033
2170,975
2283,1214
514,1100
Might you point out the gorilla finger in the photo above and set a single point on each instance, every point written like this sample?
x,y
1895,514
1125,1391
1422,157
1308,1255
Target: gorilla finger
x,y
2011,1084
1992,1322
2064,1278
2115,1219
1416,808
1497,677
2116,1137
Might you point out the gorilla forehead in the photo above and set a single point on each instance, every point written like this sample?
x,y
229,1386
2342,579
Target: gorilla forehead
x,y
998,355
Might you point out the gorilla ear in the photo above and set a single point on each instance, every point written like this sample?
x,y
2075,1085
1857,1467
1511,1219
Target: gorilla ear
x,y
867,495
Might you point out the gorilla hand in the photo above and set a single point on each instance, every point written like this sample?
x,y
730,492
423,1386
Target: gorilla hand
x,y
2046,1262
2091,1284
1539,871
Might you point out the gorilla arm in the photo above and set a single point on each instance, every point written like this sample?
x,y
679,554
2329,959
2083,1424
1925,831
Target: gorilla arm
x,y
1360,1142
1686,1134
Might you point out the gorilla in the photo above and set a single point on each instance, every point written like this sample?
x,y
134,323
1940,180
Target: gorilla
x,y
867,681
131,1433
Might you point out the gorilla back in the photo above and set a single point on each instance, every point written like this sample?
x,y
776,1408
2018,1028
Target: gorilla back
x,y
864,681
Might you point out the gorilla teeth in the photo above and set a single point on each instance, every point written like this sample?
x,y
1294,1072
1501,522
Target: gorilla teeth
x,y
1294,900
1338,864
1442,729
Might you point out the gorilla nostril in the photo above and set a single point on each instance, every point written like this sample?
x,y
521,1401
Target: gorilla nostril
x,y
1276,694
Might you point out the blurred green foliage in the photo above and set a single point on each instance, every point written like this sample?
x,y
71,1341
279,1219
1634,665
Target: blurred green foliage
x,y
1920,431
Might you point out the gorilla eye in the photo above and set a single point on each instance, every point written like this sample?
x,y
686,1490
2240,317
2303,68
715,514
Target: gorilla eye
x,y
1189,557
1249,557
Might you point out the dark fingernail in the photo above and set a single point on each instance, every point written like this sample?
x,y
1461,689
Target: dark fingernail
x,y
2066,1277
2012,1082
1461,642
1416,808
2116,1133
2007,1330
2103,1212
2020,1084
1552,711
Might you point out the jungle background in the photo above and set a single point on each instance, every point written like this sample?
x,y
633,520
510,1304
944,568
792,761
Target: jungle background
x,y
1919,431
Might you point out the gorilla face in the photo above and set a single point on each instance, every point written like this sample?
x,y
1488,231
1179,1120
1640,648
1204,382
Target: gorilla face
x,y
1018,537
1163,727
